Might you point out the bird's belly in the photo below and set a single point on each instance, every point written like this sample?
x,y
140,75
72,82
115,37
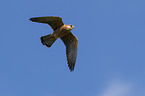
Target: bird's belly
x,y
59,33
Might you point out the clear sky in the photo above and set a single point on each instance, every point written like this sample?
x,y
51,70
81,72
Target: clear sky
x,y
111,48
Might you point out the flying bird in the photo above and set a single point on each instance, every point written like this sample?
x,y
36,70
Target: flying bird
x,y
62,31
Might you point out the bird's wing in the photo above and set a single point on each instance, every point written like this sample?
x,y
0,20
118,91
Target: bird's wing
x,y
71,44
54,22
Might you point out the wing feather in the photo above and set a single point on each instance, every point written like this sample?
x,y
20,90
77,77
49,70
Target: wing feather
x,y
71,44
53,21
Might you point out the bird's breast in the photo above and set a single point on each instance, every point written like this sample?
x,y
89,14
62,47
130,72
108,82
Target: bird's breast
x,y
60,32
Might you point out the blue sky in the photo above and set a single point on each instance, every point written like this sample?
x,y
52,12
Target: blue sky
x,y
111,49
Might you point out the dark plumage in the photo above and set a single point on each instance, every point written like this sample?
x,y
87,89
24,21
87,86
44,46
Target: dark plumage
x,y
63,32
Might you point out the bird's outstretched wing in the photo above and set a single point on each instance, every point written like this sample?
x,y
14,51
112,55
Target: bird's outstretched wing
x,y
71,44
53,21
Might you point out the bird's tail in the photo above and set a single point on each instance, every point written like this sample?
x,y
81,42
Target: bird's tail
x,y
48,40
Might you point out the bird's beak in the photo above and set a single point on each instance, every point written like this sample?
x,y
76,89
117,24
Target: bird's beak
x,y
72,26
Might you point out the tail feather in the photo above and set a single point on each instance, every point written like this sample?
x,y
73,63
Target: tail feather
x,y
47,40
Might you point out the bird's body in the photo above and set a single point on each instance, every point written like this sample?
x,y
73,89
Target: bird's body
x,y
60,32
63,32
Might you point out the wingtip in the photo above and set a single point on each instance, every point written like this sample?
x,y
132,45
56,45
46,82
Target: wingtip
x,y
30,19
33,19
71,69
71,66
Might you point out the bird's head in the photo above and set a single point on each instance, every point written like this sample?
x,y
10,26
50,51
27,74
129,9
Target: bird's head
x,y
69,27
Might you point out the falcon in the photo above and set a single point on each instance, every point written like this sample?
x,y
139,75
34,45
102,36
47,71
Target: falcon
x,y
62,31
